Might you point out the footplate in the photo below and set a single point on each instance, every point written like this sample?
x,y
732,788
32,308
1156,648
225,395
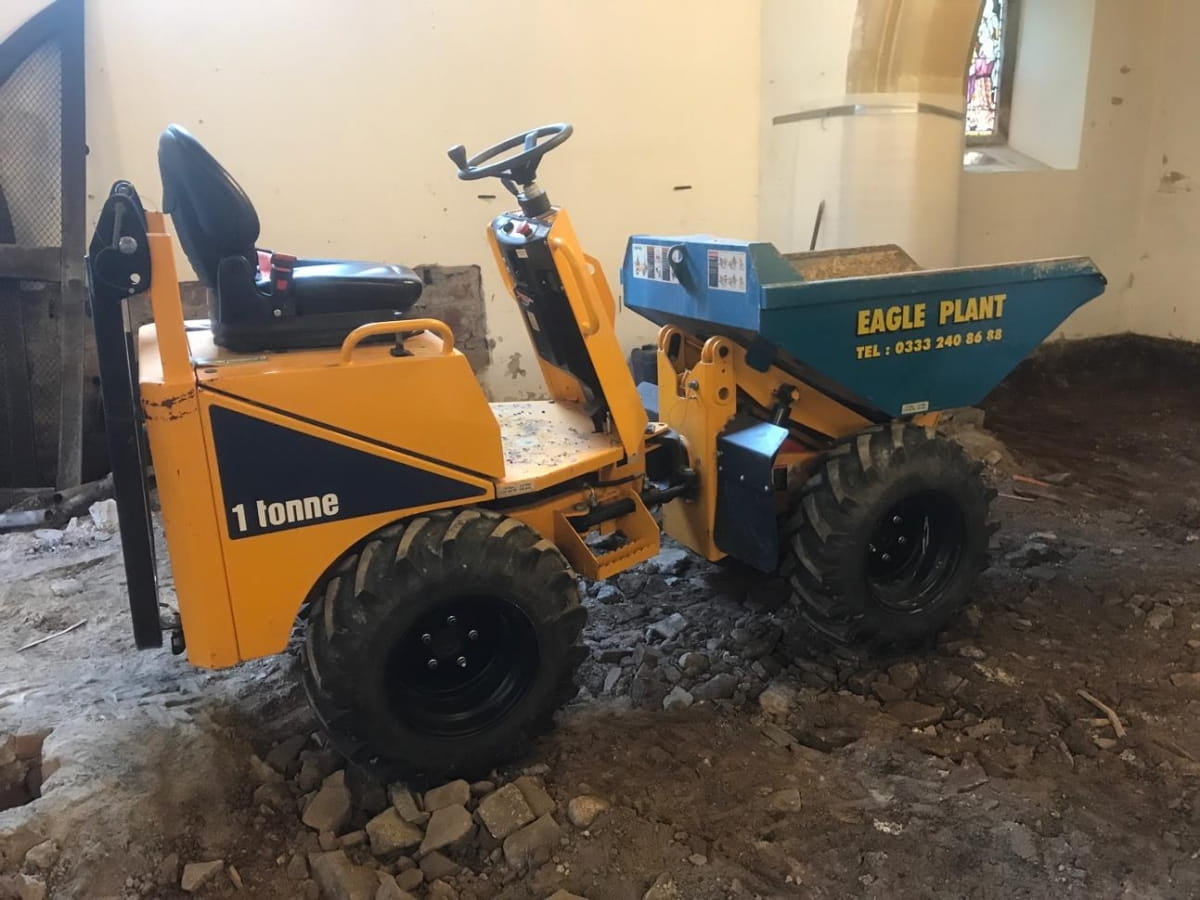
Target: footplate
x,y
641,542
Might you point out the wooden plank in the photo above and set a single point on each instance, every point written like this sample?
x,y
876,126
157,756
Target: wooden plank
x,y
74,219
18,463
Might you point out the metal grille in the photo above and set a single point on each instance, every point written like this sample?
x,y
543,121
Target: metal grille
x,y
31,147
31,190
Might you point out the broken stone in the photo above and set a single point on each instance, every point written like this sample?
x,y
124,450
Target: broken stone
x,y
340,879
168,869
482,788
329,810
263,773
965,649
720,687
582,810
456,793
787,800
670,561
609,594
1186,679
389,833
904,675
389,889
42,855
504,811
914,714
297,867
966,777
440,890
611,677
669,628
888,692
411,879
198,874
677,698
1020,840
694,663
437,865
520,846
447,826
405,804
564,895
26,887
777,699
276,796
994,725
535,795
315,767
327,841
1161,618
664,888
104,515
284,754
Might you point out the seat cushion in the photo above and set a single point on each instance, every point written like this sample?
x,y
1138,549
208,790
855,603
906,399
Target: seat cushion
x,y
339,286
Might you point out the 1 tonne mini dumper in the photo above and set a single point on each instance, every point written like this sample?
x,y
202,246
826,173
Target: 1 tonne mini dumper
x,y
327,463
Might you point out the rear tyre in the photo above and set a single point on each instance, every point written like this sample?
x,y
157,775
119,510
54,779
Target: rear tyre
x,y
887,538
444,644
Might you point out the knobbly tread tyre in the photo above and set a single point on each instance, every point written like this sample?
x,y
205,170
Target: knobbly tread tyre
x,y
358,614
825,537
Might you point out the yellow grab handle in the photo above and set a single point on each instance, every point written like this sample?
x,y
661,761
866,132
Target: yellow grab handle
x,y
399,326
583,282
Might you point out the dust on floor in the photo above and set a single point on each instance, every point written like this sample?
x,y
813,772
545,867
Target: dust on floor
x,y
736,760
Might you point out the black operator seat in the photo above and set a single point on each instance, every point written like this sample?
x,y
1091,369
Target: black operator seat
x,y
260,299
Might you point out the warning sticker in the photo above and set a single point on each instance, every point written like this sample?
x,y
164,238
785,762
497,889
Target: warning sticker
x,y
727,270
650,262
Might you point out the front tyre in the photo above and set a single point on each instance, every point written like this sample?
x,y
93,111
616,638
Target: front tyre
x,y
887,538
445,644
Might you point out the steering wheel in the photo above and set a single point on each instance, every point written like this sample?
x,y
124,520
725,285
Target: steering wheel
x,y
519,168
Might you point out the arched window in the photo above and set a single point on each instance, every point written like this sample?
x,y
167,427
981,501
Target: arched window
x,y
989,73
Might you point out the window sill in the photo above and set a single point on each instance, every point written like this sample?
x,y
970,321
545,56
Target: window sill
x,y
986,159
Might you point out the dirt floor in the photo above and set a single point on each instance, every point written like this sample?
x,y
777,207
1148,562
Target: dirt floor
x,y
733,759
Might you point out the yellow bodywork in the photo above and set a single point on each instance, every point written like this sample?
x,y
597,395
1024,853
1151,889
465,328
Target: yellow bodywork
x,y
239,594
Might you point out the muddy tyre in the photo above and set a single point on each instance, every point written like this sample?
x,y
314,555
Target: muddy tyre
x,y
887,538
444,644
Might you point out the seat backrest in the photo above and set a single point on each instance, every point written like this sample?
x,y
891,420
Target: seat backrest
x,y
213,217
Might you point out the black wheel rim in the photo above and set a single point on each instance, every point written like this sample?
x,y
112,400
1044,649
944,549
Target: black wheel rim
x,y
463,666
914,551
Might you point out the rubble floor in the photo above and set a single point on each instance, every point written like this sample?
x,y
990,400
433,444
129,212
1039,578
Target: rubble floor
x,y
974,768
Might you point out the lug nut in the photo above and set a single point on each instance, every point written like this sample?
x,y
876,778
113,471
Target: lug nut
x,y
896,520
887,557
451,620
427,639
472,635
902,540
462,662
432,663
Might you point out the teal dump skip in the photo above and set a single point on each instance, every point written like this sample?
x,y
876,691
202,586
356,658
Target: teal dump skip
x,y
867,322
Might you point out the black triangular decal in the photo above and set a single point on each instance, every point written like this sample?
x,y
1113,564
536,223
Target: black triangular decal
x,y
275,478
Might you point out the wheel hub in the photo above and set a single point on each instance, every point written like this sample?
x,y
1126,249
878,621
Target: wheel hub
x,y
913,549
463,665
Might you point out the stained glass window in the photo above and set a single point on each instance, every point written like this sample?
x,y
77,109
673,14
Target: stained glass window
x,y
985,88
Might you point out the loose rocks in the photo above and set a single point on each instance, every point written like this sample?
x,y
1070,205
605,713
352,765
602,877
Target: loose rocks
x,y
198,874
582,810
504,811
447,826
329,810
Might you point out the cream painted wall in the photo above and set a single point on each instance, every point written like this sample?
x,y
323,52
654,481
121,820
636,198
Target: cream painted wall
x,y
1160,296
336,120
1094,209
